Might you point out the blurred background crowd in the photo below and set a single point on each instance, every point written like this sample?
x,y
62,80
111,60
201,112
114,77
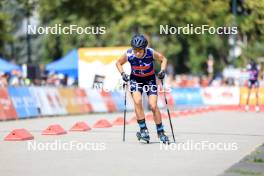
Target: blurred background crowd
x,y
194,60
239,78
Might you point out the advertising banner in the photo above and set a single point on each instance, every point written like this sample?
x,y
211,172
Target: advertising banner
x,y
7,109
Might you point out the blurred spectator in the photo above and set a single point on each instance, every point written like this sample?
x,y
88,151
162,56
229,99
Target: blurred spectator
x,y
16,78
204,81
3,79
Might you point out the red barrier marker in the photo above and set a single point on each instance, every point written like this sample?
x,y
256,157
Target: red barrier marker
x,y
103,123
80,126
261,108
188,112
203,109
198,110
164,115
174,114
192,112
54,130
213,108
183,113
19,135
119,121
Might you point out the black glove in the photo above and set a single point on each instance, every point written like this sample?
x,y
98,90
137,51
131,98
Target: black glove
x,y
125,77
161,74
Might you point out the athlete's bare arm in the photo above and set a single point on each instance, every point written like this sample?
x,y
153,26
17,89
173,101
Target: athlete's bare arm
x,y
162,59
122,60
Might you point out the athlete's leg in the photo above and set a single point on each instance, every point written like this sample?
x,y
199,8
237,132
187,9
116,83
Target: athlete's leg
x,y
136,92
256,85
248,95
152,92
156,112
157,118
257,96
139,110
143,133
152,99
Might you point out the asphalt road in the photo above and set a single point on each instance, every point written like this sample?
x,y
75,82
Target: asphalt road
x,y
206,144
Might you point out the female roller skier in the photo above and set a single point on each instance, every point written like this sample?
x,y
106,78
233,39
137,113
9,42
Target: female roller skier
x,y
142,79
253,72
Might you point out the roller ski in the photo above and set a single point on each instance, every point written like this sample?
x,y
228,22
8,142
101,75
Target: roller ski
x,y
257,109
163,138
143,135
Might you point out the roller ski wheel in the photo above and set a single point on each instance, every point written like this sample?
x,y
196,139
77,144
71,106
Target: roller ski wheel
x,y
143,135
163,138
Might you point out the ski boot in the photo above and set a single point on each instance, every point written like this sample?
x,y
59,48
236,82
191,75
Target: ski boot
x,y
144,135
163,138
246,108
257,109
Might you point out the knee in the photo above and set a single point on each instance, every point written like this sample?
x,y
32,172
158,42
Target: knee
x,y
138,102
153,106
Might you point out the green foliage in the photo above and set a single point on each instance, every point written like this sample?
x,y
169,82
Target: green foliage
x,y
124,18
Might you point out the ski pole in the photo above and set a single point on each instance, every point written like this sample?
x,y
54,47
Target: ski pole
x,y
168,111
124,125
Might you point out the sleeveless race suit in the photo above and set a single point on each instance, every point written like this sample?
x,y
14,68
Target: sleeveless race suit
x,y
253,77
142,77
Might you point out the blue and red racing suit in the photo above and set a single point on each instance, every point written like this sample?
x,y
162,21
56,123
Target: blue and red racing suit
x,y
142,77
253,77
